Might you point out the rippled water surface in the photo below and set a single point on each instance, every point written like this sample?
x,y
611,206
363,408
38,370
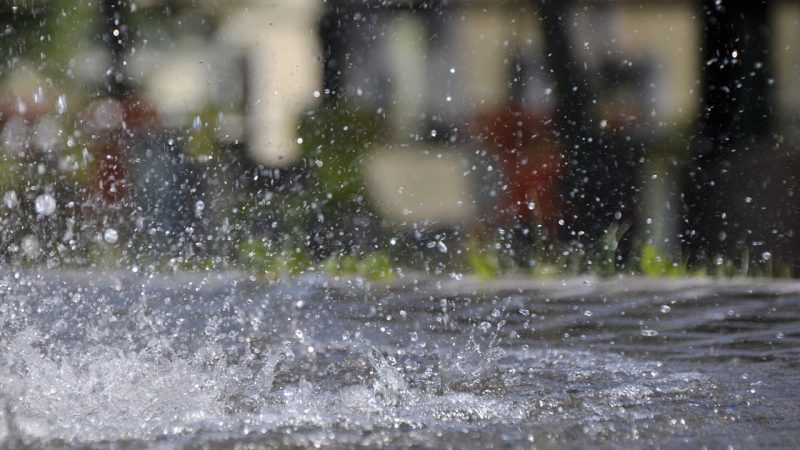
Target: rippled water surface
x,y
230,361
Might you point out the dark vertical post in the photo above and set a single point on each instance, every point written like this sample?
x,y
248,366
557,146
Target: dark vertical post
x,y
573,120
115,34
332,37
736,117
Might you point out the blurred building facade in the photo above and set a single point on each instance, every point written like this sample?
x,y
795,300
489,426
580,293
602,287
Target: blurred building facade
x,y
470,98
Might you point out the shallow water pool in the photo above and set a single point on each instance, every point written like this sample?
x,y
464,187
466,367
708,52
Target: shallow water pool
x,y
226,360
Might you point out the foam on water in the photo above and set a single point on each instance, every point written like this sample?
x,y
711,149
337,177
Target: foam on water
x,y
100,393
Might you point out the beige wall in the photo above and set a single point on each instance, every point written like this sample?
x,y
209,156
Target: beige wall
x,y
285,70
786,55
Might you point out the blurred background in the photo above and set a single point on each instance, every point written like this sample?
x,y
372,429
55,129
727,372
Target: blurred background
x,y
445,136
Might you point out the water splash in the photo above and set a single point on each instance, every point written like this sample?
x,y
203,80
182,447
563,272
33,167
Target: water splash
x,y
185,361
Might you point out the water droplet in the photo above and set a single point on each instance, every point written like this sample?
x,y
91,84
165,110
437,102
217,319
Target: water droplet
x,y
441,246
45,205
603,123
61,104
10,199
316,94
665,309
531,206
197,123
766,256
452,70
649,333
199,207
30,246
38,95
110,235
485,326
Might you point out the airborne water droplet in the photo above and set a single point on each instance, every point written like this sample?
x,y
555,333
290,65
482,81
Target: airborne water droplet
x,y
10,199
111,236
45,205
61,104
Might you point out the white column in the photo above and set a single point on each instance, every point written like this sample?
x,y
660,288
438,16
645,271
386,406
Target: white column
x,y
285,72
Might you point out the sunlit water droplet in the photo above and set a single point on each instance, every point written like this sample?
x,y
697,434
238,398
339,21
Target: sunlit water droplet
x,y
10,200
45,205
111,236
30,246
61,104
199,207
38,95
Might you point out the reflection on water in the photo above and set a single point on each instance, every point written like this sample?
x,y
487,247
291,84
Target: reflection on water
x,y
224,361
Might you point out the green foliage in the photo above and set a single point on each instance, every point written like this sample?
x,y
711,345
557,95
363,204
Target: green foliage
x,y
258,255
334,139
653,264
9,171
374,265
545,270
377,266
202,141
484,260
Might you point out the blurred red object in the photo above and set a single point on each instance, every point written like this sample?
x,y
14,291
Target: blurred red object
x,y
530,155
115,125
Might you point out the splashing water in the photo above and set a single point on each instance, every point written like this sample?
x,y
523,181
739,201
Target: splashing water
x,y
187,361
